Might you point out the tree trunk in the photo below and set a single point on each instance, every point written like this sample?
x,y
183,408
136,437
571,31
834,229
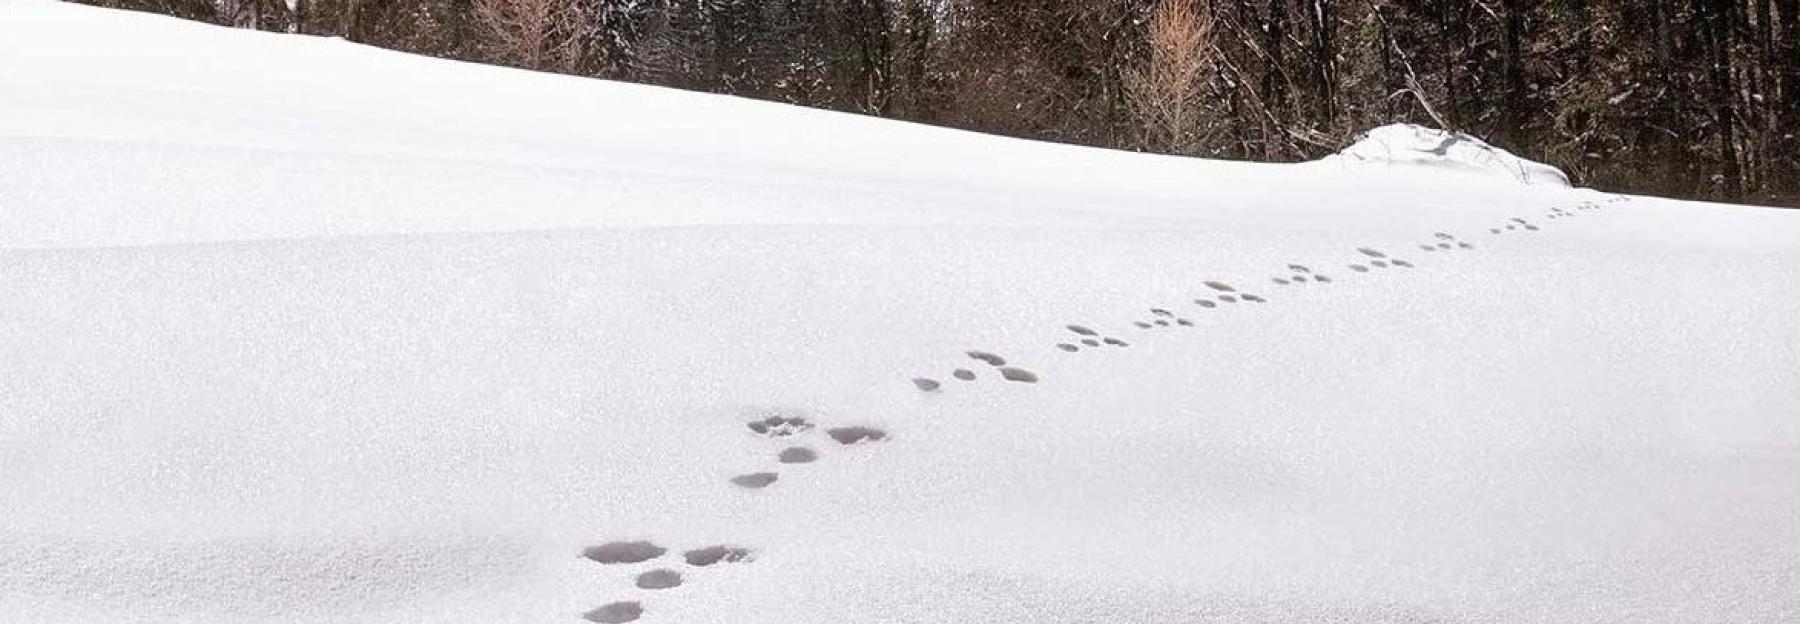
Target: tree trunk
x,y
1715,18
1324,60
1512,104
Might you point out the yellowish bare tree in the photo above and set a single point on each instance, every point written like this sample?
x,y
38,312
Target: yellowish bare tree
x,y
1165,91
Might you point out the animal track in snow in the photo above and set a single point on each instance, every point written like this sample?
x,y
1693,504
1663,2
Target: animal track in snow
x,y
1228,299
1380,264
1220,286
616,613
1370,252
710,555
1205,303
660,578
963,374
1068,347
1091,342
755,480
1018,374
1083,330
989,358
612,553
1116,342
1359,268
925,384
779,426
797,455
854,435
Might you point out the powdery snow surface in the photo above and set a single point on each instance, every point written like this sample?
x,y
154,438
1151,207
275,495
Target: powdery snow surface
x,y
300,331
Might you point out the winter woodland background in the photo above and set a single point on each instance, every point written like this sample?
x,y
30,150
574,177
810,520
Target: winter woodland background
x,y
1689,98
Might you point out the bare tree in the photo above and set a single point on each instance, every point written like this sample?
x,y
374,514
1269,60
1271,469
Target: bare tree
x,y
534,34
1165,93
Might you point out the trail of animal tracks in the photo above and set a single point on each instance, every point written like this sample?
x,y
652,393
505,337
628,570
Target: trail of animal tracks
x,y
295,330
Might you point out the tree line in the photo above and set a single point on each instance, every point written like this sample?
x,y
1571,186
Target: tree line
x,y
1689,98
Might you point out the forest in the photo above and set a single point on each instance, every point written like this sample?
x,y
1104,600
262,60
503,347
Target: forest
x,y
1686,98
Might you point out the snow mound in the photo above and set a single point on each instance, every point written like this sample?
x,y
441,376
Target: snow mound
x,y
1414,145
299,331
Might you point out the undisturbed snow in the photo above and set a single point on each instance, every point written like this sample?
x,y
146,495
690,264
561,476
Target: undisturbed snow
x,y
293,330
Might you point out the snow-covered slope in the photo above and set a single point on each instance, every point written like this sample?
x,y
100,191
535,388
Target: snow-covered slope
x,y
293,330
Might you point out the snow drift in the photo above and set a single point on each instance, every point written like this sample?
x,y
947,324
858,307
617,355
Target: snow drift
x,y
300,331
1418,146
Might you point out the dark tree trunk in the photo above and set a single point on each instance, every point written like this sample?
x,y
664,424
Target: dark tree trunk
x,y
1324,55
1715,19
1512,104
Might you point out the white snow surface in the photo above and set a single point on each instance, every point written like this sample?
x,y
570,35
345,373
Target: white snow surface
x,y
294,330
1416,146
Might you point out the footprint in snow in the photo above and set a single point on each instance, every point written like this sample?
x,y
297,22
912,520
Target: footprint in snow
x,y
925,384
1018,374
1359,268
616,613
797,455
1091,342
1220,286
963,374
1280,281
1370,252
1068,347
1204,303
702,557
660,578
755,480
613,553
1078,329
989,358
779,426
854,435
1116,342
